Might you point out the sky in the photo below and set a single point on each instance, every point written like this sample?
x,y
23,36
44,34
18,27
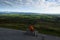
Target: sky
x,y
36,6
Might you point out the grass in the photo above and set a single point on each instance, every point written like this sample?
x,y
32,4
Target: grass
x,y
21,22
44,30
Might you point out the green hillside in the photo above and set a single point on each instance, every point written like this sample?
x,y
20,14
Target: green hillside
x,y
43,23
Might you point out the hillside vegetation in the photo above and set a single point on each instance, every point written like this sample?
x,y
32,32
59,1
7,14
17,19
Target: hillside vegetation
x,y
43,23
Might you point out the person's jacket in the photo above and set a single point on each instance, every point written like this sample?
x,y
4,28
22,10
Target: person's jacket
x,y
31,28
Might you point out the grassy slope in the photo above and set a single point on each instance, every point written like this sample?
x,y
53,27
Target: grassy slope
x,y
47,26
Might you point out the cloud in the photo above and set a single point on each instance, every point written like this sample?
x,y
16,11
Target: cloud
x,y
35,5
52,10
48,7
8,3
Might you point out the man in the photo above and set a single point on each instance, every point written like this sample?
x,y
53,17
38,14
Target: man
x,y
31,31
31,28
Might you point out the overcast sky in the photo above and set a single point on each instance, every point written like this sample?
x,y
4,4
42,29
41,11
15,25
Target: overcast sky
x,y
38,6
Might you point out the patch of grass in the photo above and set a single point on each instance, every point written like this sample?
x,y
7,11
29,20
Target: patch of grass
x,y
49,31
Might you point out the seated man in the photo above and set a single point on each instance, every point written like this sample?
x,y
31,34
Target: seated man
x,y
31,28
31,31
